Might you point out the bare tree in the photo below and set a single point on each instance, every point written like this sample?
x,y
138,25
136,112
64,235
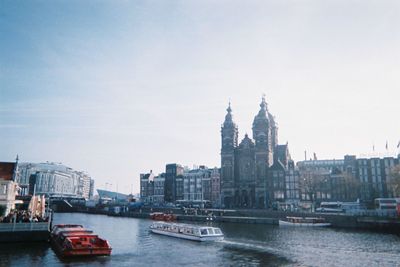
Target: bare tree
x,y
352,186
311,184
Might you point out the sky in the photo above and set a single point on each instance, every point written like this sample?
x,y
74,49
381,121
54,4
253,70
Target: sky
x,y
119,88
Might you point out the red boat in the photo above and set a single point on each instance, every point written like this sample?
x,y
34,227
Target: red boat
x,y
160,216
73,240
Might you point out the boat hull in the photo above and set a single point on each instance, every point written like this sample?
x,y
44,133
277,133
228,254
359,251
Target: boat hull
x,y
302,224
79,252
188,237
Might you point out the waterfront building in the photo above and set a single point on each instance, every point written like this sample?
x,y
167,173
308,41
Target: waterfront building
x,y
83,184
111,195
292,186
351,178
91,190
147,187
245,179
197,185
53,179
173,183
8,186
215,188
159,188
152,188
282,187
54,183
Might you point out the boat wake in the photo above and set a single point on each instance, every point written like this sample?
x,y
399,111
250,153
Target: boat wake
x,y
258,252
259,247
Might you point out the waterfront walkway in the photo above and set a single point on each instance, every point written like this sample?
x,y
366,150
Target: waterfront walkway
x,y
264,217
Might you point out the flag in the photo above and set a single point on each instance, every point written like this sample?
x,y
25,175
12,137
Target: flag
x,y
373,147
398,145
386,145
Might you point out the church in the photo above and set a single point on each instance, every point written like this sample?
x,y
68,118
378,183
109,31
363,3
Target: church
x,y
253,171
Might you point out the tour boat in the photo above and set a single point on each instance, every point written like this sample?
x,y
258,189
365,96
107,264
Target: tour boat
x,y
160,216
187,231
74,240
304,221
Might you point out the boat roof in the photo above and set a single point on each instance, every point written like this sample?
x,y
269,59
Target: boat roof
x,y
76,231
70,231
61,227
184,225
80,235
309,218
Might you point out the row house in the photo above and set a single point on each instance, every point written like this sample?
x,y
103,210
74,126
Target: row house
x,y
8,186
349,179
181,185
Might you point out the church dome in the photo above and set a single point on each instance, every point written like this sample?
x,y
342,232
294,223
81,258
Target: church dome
x,y
228,116
263,116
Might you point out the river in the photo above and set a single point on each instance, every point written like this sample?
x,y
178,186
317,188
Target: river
x,y
244,245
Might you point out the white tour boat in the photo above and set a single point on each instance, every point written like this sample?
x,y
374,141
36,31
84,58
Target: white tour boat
x,y
187,231
304,221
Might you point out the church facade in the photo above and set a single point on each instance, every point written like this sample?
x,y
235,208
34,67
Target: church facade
x,y
247,167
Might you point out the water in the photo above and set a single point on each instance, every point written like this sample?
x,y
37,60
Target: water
x,y
244,245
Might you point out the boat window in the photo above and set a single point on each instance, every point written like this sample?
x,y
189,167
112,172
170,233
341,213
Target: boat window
x,y
203,232
83,239
217,231
210,231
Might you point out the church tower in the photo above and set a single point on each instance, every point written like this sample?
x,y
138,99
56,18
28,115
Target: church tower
x,y
229,138
263,137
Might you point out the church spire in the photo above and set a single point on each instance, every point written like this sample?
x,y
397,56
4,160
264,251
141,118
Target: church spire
x,y
228,116
229,130
263,104
262,116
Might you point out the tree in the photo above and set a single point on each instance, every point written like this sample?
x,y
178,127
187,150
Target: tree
x,y
394,181
352,186
312,183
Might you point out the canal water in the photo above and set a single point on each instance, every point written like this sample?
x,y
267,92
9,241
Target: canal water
x,y
244,245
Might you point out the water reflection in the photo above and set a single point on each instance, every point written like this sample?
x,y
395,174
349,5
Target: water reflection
x,y
24,253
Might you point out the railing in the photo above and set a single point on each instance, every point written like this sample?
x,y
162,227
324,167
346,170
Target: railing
x,y
20,227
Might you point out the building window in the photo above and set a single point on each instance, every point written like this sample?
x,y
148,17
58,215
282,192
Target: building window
x,y
3,189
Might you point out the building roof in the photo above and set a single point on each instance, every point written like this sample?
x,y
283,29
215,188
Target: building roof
x,y
7,170
246,142
277,166
111,194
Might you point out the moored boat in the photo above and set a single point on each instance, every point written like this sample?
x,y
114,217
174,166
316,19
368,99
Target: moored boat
x,y
304,221
73,240
160,216
187,231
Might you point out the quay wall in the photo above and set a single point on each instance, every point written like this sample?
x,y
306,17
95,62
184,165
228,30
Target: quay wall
x,y
341,221
24,236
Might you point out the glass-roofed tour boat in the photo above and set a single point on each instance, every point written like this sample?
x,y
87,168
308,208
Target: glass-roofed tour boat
x,y
187,231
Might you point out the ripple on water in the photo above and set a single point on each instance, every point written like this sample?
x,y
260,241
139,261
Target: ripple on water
x,y
244,245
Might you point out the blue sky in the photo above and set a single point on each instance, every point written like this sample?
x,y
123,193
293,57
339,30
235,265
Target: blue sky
x,y
116,88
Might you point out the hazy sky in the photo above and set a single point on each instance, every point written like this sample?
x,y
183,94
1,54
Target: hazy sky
x,y
118,88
